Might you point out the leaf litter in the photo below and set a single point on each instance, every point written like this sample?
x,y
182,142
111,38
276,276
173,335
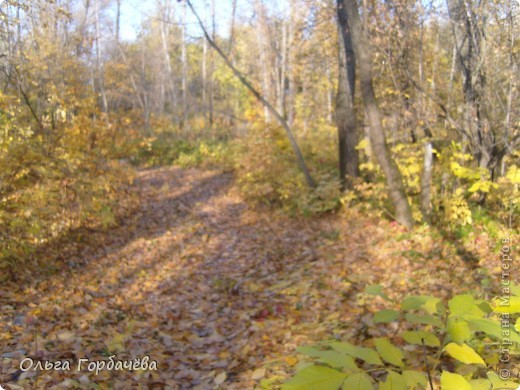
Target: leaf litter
x,y
219,292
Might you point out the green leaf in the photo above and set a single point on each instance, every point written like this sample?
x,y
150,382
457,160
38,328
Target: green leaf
x,y
464,353
389,352
302,364
332,358
417,337
366,354
393,381
425,319
485,307
434,305
464,305
338,360
451,381
268,383
493,328
414,378
385,316
315,378
376,289
427,302
458,330
480,384
309,351
358,381
414,302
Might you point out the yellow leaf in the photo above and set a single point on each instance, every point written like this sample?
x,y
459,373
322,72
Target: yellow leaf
x,y
510,305
464,353
224,355
451,381
513,174
291,360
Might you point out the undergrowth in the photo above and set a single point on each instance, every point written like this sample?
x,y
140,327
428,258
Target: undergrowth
x,y
463,198
424,343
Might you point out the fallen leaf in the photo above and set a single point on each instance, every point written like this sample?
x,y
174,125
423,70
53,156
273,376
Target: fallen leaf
x,y
259,373
220,378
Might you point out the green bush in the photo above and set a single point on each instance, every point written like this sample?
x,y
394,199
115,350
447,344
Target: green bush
x,y
163,149
171,148
324,198
462,345
210,154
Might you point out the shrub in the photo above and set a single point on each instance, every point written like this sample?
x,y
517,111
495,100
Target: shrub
x,y
51,186
211,154
267,172
461,345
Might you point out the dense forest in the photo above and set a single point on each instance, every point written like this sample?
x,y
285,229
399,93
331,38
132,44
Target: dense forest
x,y
259,194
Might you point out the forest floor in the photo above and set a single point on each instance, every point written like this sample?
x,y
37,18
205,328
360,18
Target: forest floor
x,y
217,291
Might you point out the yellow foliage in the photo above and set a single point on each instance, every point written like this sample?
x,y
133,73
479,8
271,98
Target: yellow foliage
x,y
457,209
513,174
54,169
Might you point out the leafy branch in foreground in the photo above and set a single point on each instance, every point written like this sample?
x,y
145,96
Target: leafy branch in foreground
x,y
467,342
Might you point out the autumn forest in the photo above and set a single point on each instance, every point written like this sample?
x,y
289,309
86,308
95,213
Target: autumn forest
x,y
259,194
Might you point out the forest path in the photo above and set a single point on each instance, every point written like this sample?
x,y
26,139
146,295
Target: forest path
x,y
210,288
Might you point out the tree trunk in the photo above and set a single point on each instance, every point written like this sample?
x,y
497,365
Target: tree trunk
x,y
345,111
513,69
205,76
282,74
394,180
290,86
426,182
468,31
118,20
232,27
167,61
184,67
212,67
261,34
99,65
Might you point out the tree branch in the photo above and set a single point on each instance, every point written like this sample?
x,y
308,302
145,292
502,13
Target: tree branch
x,y
260,98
